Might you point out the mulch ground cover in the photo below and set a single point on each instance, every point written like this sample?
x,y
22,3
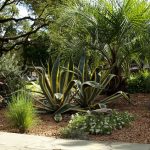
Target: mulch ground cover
x,y
137,132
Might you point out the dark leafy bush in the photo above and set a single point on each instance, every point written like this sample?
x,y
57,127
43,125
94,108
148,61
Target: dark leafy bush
x,y
37,52
139,82
96,124
10,74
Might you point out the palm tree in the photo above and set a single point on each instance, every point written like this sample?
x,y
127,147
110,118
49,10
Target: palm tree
x,y
113,27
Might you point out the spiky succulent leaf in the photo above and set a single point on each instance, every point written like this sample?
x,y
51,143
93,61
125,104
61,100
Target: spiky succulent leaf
x,y
65,107
56,86
54,74
115,97
58,117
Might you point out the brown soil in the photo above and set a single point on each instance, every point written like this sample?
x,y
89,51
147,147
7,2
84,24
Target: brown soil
x,y
138,131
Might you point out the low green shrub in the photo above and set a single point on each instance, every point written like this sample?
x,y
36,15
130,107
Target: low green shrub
x,y
21,113
69,133
139,82
75,128
95,124
10,74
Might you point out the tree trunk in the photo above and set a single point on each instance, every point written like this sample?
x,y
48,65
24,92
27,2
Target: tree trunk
x,y
118,83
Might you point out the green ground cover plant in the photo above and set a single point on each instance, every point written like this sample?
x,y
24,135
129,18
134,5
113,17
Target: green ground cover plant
x,y
96,124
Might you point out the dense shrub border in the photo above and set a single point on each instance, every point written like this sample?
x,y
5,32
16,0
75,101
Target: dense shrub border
x,y
139,82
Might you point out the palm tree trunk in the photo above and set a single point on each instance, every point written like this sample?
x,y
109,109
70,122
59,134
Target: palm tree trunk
x,y
118,82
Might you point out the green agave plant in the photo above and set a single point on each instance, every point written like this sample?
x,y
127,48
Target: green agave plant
x,y
56,86
89,90
91,84
83,71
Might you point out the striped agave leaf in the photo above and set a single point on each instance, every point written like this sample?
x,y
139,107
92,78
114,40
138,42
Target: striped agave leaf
x,y
89,83
85,73
56,85
115,96
89,90
92,84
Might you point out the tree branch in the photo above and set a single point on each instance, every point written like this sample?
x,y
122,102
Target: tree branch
x,y
7,2
16,20
23,35
3,5
13,40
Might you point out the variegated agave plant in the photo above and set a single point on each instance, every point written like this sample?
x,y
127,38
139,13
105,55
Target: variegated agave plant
x,y
56,85
91,84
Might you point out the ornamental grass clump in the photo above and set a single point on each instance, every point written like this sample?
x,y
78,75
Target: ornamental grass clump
x,y
21,113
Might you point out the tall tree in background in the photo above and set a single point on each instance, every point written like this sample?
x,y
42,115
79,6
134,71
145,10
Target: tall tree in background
x,y
115,28
36,51
16,30
40,45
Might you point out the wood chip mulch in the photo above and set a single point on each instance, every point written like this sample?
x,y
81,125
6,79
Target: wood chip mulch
x,y
137,132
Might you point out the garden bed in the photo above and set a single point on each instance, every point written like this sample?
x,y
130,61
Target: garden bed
x,y
138,131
